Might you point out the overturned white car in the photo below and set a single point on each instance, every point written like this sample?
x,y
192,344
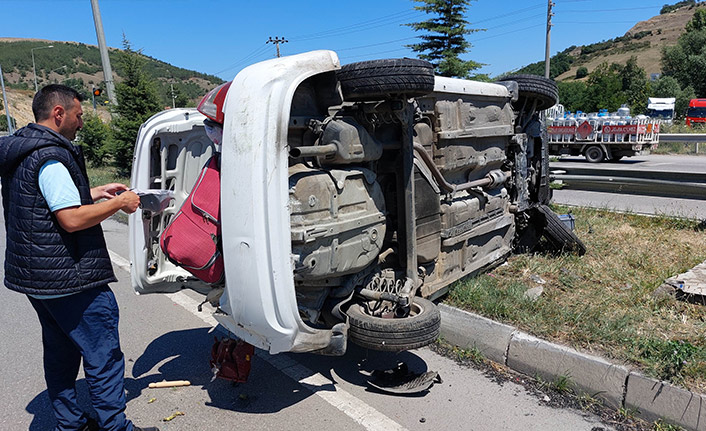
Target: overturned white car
x,y
350,197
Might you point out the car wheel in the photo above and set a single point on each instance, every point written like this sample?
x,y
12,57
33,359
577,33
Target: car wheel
x,y
594,154
380,79
558,235
419,329
532,87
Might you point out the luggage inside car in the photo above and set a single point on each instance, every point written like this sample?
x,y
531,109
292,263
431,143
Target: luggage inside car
x,y
192,239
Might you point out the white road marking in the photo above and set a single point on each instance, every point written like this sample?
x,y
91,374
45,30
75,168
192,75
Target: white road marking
x,y
353,407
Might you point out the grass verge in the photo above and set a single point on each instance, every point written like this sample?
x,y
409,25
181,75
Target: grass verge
x,y
603,302
100,175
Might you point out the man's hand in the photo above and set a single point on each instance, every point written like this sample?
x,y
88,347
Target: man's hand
x,y
129,200
82,217
107,191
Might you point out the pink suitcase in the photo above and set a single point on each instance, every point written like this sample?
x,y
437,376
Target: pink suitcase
x,y
192,239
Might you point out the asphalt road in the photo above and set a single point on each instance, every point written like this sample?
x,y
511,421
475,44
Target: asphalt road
x,y
687,208
165,338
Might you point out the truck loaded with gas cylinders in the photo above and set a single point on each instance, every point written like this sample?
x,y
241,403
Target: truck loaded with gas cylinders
x,y
601,136
350,197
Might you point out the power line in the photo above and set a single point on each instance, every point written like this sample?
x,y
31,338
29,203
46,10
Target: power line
x,y
376,44
358,27
595,22
608,10
509,32
254,53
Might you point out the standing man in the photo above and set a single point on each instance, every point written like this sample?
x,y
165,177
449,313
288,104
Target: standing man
x,y
56,255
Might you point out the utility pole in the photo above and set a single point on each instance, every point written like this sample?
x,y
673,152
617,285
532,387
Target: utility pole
x,y
277,41
107,71
550,14
171,85
11,129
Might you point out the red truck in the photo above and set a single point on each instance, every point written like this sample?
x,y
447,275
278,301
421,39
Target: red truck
x,y
696,112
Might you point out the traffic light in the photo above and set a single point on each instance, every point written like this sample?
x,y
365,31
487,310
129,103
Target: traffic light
x,y
97,91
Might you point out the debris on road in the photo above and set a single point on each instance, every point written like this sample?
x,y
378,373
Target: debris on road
x,y
689,286
172,416
172,384
400,380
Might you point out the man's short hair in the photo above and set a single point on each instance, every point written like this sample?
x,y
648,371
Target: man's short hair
x,y
50,96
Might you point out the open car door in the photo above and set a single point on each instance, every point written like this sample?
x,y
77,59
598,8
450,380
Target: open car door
x,y
171,149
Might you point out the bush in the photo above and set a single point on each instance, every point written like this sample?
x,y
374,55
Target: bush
x,y
581,72
93,137
3,122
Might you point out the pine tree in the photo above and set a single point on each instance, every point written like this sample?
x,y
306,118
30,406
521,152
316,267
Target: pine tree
x,y
137,101
446,38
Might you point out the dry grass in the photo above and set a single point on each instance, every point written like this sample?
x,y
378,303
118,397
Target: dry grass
x,y
603,302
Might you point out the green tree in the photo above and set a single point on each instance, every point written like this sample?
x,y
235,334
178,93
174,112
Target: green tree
x,y
137,101
686,61
581,72
77,84
572,95
93,137
604,89
3,122
634,85
698,22
667,86
445,40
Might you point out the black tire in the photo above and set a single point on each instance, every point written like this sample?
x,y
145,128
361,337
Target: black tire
x,y
594,154
381,79
394,335
538,88
560,237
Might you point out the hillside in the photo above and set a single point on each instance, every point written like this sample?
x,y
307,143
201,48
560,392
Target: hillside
x,y
79,66
645,41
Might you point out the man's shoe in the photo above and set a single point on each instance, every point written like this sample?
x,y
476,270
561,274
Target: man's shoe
x,y
134,428
90,425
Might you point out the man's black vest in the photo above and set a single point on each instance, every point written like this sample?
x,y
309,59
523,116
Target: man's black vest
x,y
41,257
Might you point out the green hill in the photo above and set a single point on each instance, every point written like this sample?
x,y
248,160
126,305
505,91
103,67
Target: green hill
x,y
645,41
79,65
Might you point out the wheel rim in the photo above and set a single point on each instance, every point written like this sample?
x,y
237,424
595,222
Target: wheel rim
x,y
414,310
594,154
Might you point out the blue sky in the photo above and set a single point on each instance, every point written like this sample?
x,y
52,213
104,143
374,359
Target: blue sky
x,y
221,37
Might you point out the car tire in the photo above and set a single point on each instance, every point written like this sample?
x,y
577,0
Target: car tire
x,y
381,79
560,237
594,154
532,87
419,329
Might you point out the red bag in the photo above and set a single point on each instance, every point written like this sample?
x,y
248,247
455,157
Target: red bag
x,y
192,238
231,359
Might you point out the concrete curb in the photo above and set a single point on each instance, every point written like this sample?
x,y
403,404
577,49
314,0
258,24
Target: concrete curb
x,y
615,384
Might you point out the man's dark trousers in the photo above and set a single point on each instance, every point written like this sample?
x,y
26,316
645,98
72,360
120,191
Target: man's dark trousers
x,y
85,325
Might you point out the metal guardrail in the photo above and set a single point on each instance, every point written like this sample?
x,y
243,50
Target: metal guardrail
x,y
682,137
650,183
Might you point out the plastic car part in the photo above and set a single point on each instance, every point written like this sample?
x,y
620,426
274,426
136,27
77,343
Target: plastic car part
x,y
212,103
558,234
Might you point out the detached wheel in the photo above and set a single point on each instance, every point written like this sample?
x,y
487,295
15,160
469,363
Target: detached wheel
x,y
380,79
594,154
532,87
419,329
558,235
